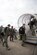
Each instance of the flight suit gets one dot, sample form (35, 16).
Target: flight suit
(22, 35)
(7, 33)
(11, 34)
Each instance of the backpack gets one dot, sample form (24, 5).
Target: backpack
(5, 29)
(20, 30)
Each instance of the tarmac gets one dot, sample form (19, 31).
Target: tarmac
(17, 49)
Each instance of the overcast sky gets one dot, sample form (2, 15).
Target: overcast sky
(10, 10)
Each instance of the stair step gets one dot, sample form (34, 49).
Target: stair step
(31, 36)
(31, 41)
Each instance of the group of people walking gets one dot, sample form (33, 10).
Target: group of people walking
(5, 32)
